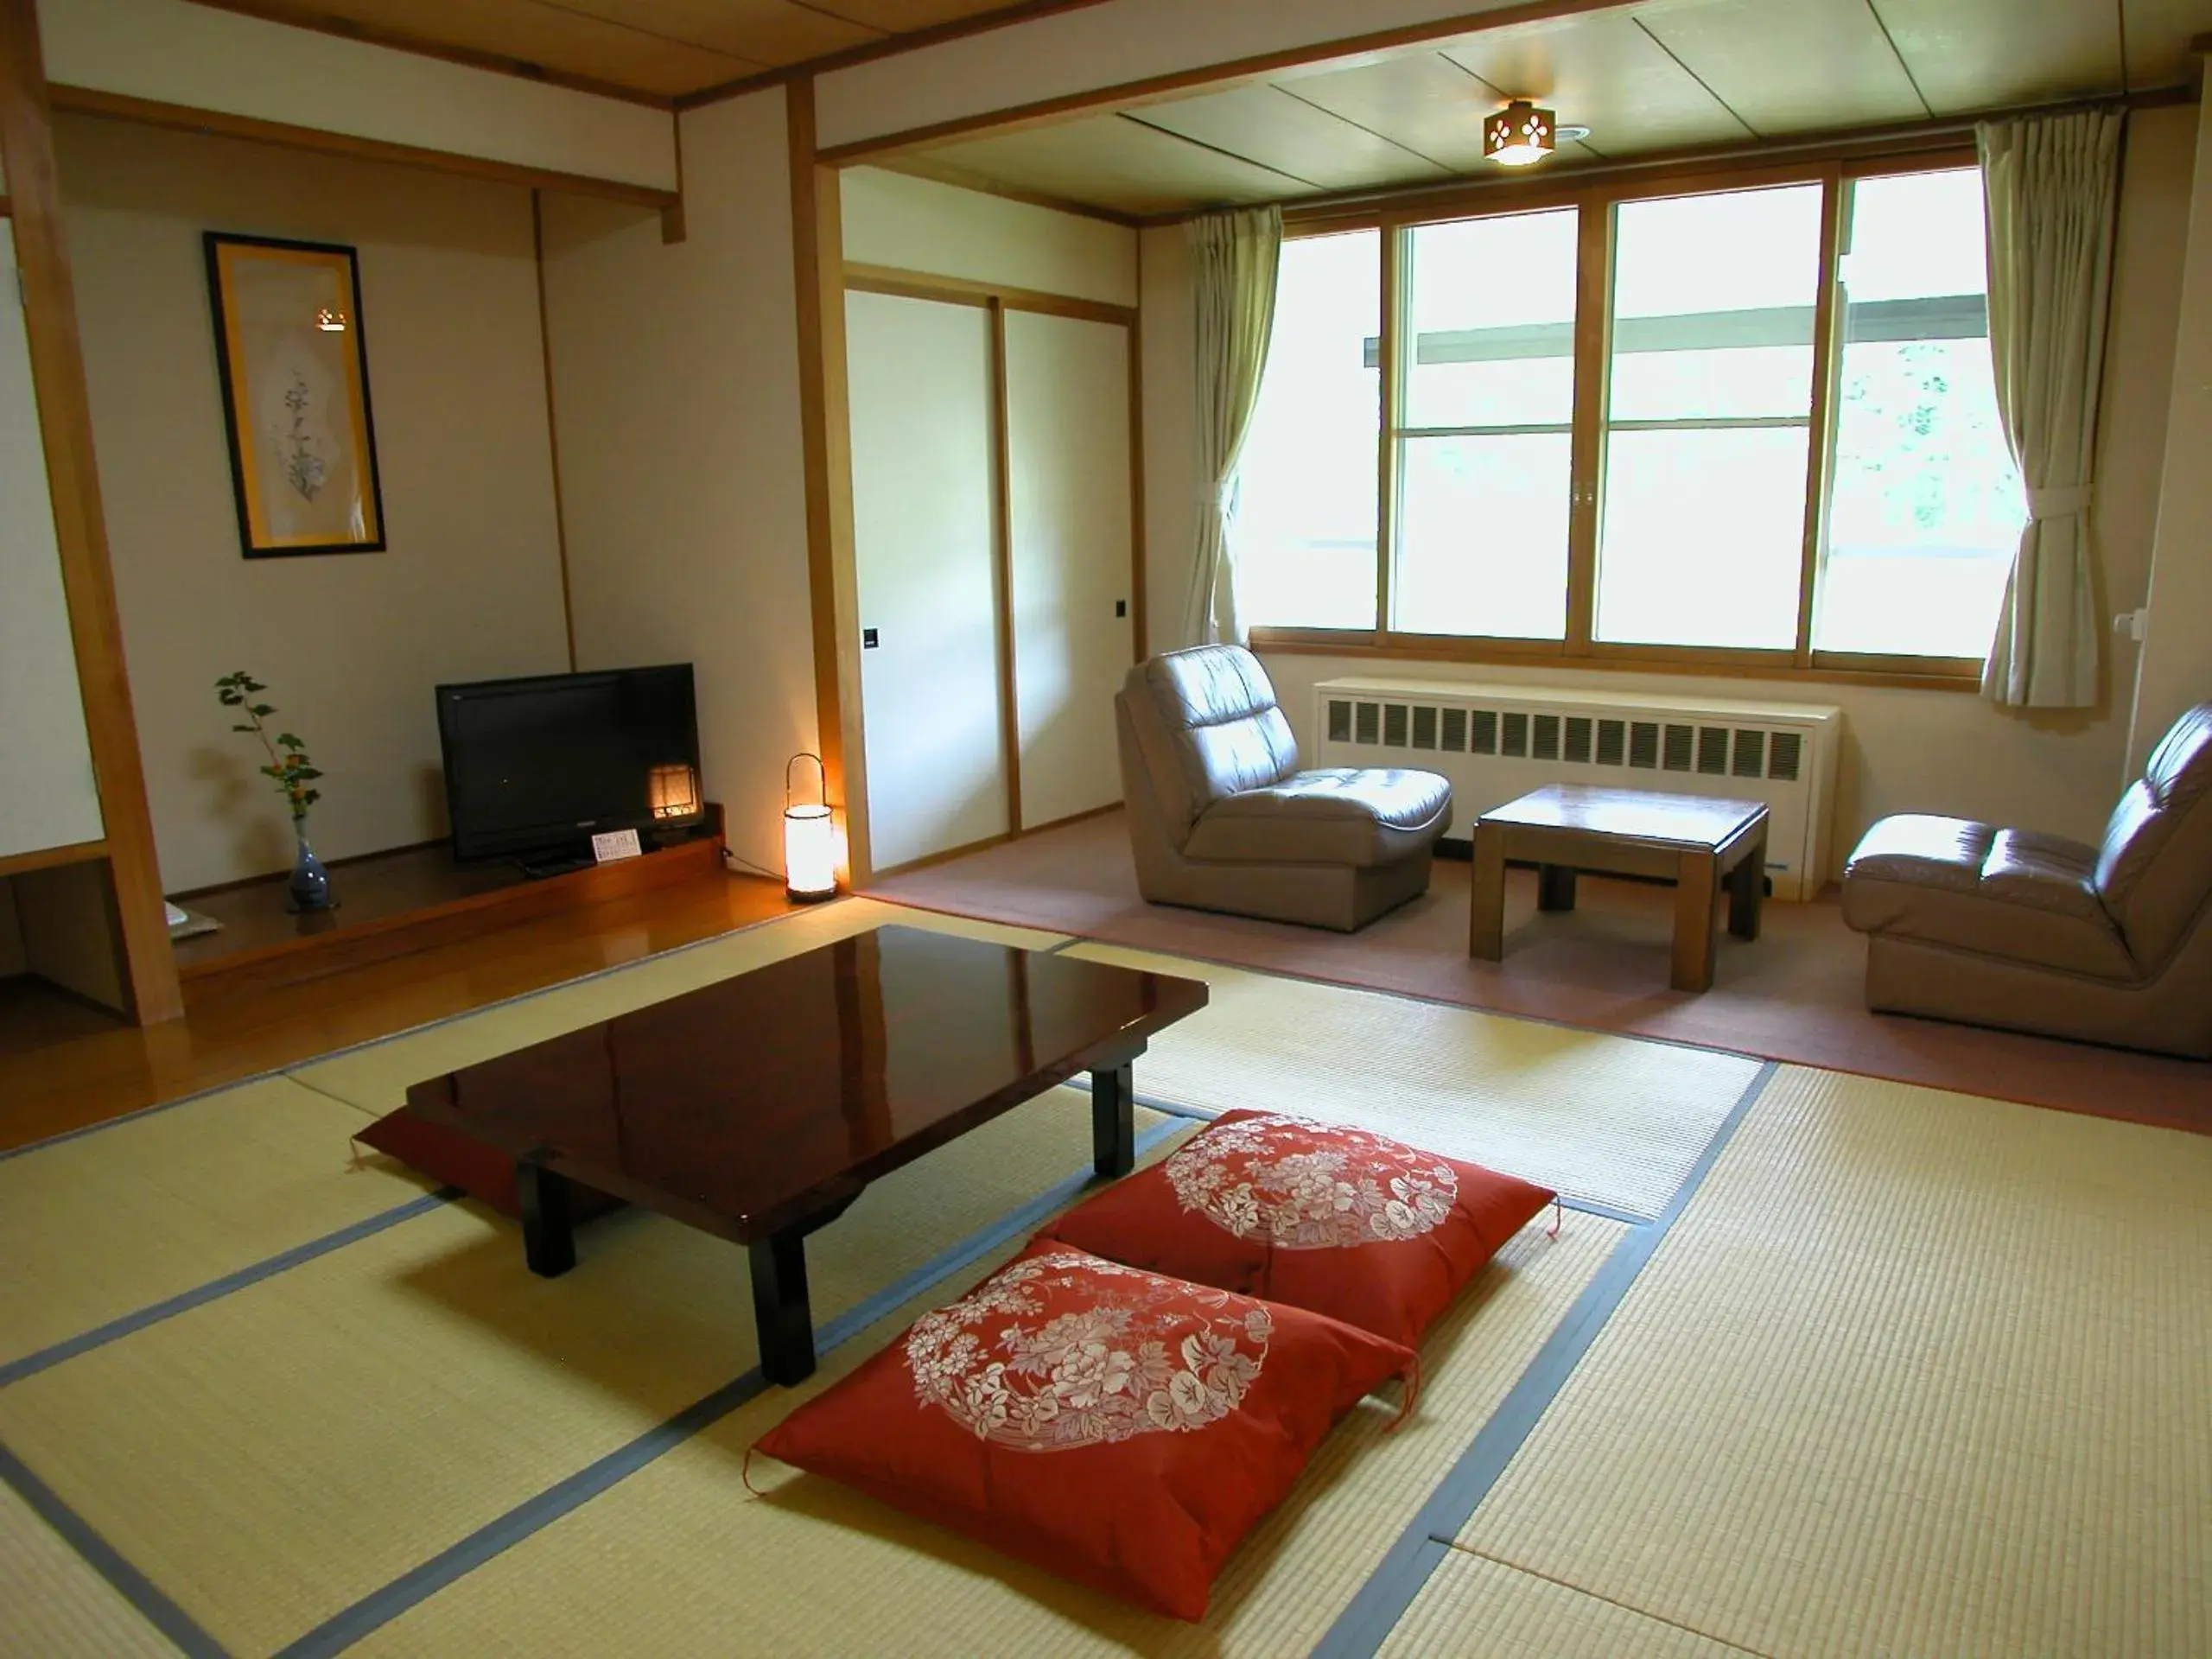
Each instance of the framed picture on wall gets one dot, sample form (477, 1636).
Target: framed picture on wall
(295, 396)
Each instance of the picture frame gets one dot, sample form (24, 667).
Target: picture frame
(293, 361)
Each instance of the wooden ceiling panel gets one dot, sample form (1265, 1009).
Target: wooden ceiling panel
(1278, 128)
(525, 31)
(2158, 33)
(1110, 161)
(1605, 72)
(1424, 102)
(774, 32)
(1973, 54)
(1796, 65)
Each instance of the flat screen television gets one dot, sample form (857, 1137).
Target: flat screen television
(535, 767)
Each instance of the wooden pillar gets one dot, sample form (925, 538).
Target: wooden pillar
(65, 423)
(818, 252)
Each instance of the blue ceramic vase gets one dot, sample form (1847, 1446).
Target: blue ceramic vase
(310, 884)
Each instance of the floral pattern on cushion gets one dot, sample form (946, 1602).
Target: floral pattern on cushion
(1301, 1185)
(1063, 1350)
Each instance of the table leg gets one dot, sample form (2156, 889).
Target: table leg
(1113, 1121)
(1747, 892)
(779, 1306)
(1694, 942)
(549, 1237)
(1554, 886)
(1486, 917)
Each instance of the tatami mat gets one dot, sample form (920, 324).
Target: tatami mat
(100, 1226)
(1471, 1608)
(1613, 1119)
(683, 1550)
(268, 1458)
(1914, 1373)
(54, 1605)
(375, 1079)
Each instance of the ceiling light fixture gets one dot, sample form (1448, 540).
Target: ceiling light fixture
(1521, 135)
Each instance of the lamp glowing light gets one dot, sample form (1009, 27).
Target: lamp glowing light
(1520, 134)
(330, 321)
(809, 840)
(673, 792)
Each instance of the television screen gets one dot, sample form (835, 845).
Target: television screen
(542, 765)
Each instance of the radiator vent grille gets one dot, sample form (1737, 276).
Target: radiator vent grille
(1782, 756)
(1570, 739)
(1751, 754)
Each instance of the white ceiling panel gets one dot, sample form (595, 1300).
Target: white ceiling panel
(1422, 100)
(1975, 54)
(1604, 72)
(2158, 33)
(1110, 161)
(1280, 130)
(1796, 65)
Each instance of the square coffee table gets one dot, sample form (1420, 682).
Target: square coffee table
(758, 1109)
(1694, 841)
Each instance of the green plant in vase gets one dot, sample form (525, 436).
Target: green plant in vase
(294, 774)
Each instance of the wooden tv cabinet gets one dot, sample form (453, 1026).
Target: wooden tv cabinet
(396, 903)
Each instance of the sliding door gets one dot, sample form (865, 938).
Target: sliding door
(926, 485)
(48, 796)
(1071, 532)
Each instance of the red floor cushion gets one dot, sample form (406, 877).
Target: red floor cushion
(453, 1160)
(1337, 1220)
(1117, 1427)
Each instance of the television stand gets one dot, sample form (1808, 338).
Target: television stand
(409, 899)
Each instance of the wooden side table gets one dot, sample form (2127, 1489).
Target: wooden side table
(1697, 843)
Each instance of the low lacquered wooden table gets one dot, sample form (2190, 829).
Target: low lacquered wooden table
(1694, 841)
(759, 1108)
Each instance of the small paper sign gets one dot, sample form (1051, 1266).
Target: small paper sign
(615, 844)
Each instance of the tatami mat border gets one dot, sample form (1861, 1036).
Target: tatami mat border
(215, 1289)
(164, 1615)
(417, 1585)
(1361, 1629)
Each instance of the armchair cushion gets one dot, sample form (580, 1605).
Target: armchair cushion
(2154, 869)
(1339, 816)
(1227, 731)
(2000, 892)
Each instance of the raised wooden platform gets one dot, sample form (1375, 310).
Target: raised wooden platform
(395, 904)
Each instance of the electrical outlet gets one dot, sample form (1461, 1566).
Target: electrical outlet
(868, 639)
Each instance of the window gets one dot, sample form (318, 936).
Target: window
(1487, 431)
(1751, 422)
(1709, 412)
(1306, 496)
(1924, 504)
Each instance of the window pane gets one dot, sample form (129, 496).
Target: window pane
(1703, 534)
(1713, 304)
(1484, 540)
(1306, 517)
(1924, 505)
(1492, 311)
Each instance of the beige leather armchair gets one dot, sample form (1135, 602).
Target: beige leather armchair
(2110, 944)
(1221, 818)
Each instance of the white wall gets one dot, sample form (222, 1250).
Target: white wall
(350, 644)
(675, 381)
(1903, 750)
(1112, 44)
(911, 224)
(175, 53)
(2177, 668)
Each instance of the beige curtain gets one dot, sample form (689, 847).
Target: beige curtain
(1233, 260)
(2051, 185)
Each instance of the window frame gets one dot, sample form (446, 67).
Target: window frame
(1595, 198)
